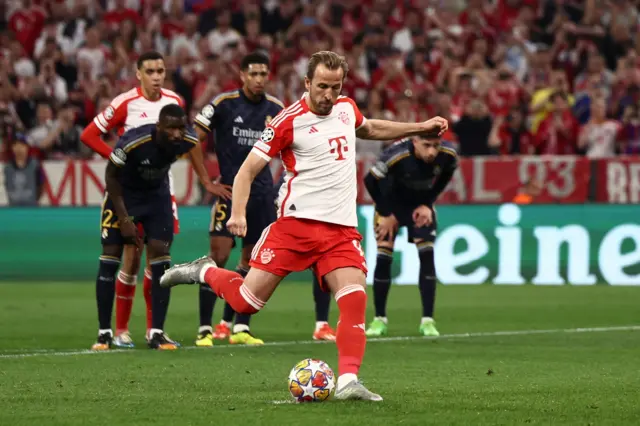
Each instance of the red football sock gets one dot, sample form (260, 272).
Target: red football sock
(350, 337)
(125, 291)
(147, 295)
(230, 286)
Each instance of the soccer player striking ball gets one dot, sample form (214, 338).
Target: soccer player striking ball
(316, 138)
(404, 184)
(137, 107)
(137, 186)
(238, 118)
(321, 299)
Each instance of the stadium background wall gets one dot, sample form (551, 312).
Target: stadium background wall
(478, 180)
(500, 244)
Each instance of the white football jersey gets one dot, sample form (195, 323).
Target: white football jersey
(319, 156)
(601, 138)
(131, 109)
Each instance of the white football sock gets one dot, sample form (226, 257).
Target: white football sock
(345, 379)
(320, 324)
(426, 320)
(383, 319)
(239, 328)
(108, 330)
(223, 322)
(205, 328)
(154, 331)
(203, 272)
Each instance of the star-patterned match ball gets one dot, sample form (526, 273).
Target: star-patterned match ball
(311, 380)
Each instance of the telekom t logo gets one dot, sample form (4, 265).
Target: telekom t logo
(339, 145)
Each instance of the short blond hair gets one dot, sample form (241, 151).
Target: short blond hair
(329, 59)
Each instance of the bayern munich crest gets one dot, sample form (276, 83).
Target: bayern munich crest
(344, 117)
(266, 256)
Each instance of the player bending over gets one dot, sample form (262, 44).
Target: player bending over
(238, 118)
(135, 108)
(317, 223)
(137, 190)
(404, 184)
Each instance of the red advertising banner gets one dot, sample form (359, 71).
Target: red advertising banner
(482, 180)
(617, 180)
(479, 180)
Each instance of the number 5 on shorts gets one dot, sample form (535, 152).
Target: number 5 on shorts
(219, 215)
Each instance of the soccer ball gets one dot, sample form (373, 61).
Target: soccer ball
(311, 380)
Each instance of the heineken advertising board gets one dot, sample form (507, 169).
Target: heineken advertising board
(499, 244)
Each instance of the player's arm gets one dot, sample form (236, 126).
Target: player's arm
(204, 121)
(385, 130)
(117, 161)
(391, 130)
(196, 158)
(252, 165)
(379, 184)
(441, 183)
(379, 180)
(114, 115)
(274, 139)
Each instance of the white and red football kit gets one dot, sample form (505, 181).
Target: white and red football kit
(317, 218)
(600, 138)
(126, 111)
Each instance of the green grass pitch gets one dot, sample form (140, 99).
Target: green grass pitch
(568, 355)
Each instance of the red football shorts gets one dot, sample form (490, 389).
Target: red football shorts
(291, 244)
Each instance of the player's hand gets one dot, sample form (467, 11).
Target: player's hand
(387, 227)
(422, 216)
(129, 233)
(219, 190)
(237, 225)
(435, 127)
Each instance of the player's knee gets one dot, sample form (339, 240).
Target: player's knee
(157, 248)
(386, 244)
(352, 298)
(245, 257)
(112, 250)
(219, 255)
(385, 250)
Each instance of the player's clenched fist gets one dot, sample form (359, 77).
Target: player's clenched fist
(435, 127)
(237, 225)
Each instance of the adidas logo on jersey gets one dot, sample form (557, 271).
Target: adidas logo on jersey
(238, 120)
(313, 130)
(143, 115)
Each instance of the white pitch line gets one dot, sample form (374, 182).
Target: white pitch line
(45, 352)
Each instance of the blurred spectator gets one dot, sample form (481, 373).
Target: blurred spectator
(473, 129)
(629, 135)
(512, 76)
(223, 34)
(598, 137)
(509, 135)
(558, 133)
(23, 175)
(54, 86)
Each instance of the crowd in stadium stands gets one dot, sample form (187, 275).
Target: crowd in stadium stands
(512, 76)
